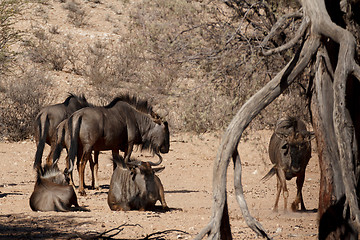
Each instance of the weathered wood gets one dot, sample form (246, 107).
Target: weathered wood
(343, 127)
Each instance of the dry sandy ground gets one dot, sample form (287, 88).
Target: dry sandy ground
(187, 180)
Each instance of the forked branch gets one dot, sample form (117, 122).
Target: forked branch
(299, 33)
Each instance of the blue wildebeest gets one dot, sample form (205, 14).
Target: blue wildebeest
(61, 139)
(47, 120)
(137, 188)
(120, 125)
(52, 191)
(290, 152)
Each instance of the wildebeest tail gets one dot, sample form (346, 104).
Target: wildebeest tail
(43, 124)
(59, 145)
(269, 174)
(74, 129)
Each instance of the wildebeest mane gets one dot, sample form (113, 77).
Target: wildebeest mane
(138, 104)
(80, 98)
(288, 123)
(48, 172)
(147, 145)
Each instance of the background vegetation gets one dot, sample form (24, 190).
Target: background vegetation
(196, 61)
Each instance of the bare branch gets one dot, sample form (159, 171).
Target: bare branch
(300, 32)
(250, 221)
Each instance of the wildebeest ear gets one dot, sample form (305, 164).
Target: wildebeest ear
(159, 169)
(157, 121)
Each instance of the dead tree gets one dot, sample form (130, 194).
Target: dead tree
(329, 49)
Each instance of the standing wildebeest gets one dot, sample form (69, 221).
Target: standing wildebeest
(290, 152)
(47, 120)
(52, 191)
(118, 126)
(61, 139)
(135, 189)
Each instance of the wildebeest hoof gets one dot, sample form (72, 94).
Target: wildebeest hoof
(82, 193)
(94, 188)
(294, 207)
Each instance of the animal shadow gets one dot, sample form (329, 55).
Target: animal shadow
(314, 210)
(2, 195)
(160, 209)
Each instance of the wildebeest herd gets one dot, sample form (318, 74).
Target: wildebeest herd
(82, 128)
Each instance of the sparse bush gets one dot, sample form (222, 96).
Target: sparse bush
(98, 63)
(22, 100)
(113, 63)
(9, 11)
(76, 15)
(200, 106)
(46, 50)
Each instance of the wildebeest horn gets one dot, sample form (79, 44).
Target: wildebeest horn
(282, 136)
(158, 162)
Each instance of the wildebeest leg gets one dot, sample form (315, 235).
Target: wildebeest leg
(128, 152)
(49, 158)
(85, 157)
(161, 192)
(284, 188)
(116, 155)
(278, 188)
(94, 165)
(71, 180)
(281, 185)
(299, 199)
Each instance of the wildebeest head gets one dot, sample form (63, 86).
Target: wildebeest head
(74, 102)
(144, 168)
(160, 136)
(157, 138)
(53, 174)
(294, 146)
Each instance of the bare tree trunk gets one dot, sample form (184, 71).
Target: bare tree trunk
(333, 123)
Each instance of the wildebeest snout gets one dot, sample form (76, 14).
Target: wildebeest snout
(295, 169)
(292, 172)
(164, 149)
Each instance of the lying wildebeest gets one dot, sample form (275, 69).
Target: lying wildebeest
(290, 152)
(118, 126)
(47, 120)
(52, 191)
(135, 189)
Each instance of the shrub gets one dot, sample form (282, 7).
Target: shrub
(76, 15)
(9, 12)
(47, 50)
(22, 100)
